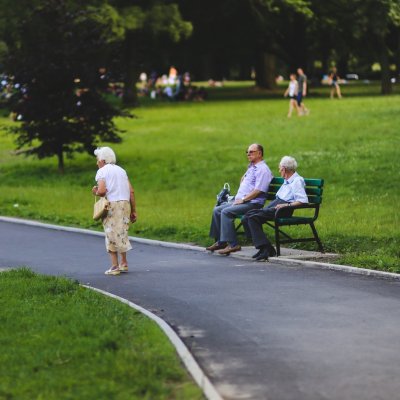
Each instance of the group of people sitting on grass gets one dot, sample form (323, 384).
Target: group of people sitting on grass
(249, 204)
(173, 88)
(181, 92)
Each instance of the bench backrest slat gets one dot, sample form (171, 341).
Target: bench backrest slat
(315, 199)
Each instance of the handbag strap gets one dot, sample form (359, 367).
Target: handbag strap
(95, 198)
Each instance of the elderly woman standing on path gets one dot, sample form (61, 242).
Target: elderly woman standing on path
(112, 182)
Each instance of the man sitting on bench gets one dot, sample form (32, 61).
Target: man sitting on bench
(291, 193)
(251, 195)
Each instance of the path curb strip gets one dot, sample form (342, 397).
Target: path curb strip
(190, 363)
(286, 261)
(338, 267)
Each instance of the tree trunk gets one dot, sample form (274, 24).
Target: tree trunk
(266, 70)
(131, 71)
(60, 156)
(245, 72)
(342, 65)
(397, 54)
(208, 67)
(386, 85)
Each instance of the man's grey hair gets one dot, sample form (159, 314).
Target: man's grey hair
(105, 154)
(289, 163)
(260, 149)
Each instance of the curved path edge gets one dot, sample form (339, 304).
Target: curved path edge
(190, 363)
(286, 261)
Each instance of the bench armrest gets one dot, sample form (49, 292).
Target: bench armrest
(301, 206)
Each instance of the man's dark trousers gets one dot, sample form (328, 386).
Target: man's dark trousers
(254, 220)
(222, 222)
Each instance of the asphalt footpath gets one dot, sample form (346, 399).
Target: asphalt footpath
(276, 330)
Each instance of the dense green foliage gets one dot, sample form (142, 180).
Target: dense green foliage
(56, 55)
(61, 341)
(60, 101)
(150, 29)
(277, 36)
(179, 155)
(229, 38)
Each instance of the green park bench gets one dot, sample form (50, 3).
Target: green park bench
(314, 189)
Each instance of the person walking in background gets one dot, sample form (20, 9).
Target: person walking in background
(172, 75)
(334, 81)
(251, 195)
(302, 92)
(113, 183)
(290, 194)
(292, 91)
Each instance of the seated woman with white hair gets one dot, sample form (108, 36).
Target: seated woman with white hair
(291, 193)
(112, 182)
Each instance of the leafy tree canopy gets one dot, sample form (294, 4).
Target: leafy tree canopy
(55, 60)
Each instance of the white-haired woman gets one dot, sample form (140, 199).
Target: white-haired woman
(112, 182)
(290, 194)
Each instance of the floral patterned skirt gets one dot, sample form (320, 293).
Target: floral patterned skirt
(116, 225)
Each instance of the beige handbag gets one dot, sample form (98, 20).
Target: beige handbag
(100, 208)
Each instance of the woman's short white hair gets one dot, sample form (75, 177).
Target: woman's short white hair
(289, 163)
(105, 154)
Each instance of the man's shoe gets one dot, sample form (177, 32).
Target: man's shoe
(257, 254)
(216, 246)
(263, 255)
(228, 250)
(272, 251)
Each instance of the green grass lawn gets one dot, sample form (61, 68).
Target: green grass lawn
(61, 341)
(179, 155)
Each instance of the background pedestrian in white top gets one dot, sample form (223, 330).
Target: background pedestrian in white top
(291, 91)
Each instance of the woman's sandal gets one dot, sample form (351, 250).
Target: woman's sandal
(113, 271)
(123, 267)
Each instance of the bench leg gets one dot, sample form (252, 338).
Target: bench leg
(320, 247)
(277, 242)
